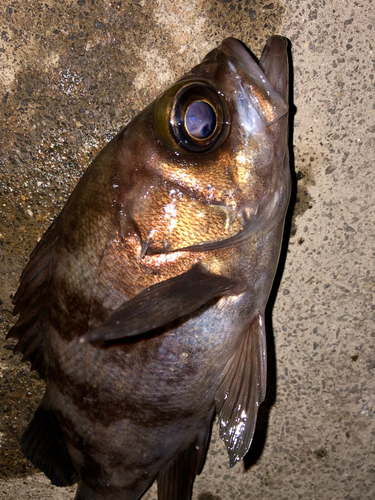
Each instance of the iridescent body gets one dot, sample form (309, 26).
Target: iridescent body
(143, 304)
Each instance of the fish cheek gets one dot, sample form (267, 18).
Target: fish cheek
(170, 220)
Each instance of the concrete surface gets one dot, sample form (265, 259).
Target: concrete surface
(73, 73)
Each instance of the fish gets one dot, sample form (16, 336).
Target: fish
(142, 306)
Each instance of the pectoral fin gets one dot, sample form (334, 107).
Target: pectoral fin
(163, 303)
(242, 390)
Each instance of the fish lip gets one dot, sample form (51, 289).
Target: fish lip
(263, 96)
(234, 48)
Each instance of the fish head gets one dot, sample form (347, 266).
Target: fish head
(215, 152)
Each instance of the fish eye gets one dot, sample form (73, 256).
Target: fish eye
(191, 117)
(200, 120)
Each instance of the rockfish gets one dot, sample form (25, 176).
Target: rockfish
(143, 304)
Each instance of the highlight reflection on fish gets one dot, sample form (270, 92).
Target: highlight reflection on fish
(143, 304)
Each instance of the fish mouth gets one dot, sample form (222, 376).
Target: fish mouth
(267, 81)
(273, 63)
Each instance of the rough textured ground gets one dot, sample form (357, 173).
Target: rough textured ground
(72, 74)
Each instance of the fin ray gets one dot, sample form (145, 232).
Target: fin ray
(242, 390)
(175, 481)
(43, 444)
(31, 301)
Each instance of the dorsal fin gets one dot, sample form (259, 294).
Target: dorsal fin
(31, 301)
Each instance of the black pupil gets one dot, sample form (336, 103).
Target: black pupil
(200, 120)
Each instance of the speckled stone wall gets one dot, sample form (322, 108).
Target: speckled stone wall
(72, 74)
